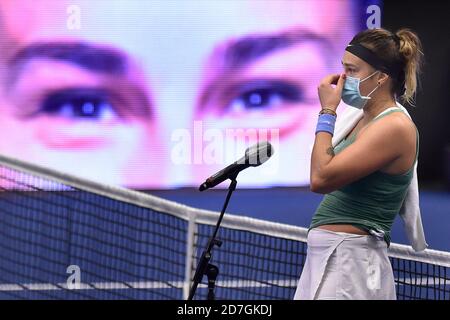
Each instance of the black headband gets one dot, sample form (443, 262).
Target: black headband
(392, 69)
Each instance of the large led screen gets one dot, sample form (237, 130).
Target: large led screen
(161, 94)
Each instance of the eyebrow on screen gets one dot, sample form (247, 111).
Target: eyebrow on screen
(239, 53)
(246, 50)
(84, 55)
(87, 56)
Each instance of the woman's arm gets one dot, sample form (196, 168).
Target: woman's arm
(381, 143)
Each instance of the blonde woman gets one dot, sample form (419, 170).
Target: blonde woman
(365, 177)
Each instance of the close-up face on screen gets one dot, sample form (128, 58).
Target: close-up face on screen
(162, 94)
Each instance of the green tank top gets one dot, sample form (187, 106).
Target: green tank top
(370, 203)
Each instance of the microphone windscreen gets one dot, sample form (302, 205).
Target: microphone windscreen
(258, 153)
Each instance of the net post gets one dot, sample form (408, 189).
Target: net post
(190, 247)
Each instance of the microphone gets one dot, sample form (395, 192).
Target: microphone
(254, 156)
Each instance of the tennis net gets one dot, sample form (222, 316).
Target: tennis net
(62, 237)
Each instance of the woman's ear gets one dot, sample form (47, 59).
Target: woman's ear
(382, 78)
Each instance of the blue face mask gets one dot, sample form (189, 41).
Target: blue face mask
(351, 94)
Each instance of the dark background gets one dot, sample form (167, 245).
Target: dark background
(430, 19)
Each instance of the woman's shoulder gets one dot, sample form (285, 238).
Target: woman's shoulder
(393, 122)
(403, 122)
(396, 119)
(396, 130)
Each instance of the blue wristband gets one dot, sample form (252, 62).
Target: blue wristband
(326, 123)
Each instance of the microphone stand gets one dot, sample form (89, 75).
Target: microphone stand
(203, 266)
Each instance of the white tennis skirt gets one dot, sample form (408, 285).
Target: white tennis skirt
(342, 266)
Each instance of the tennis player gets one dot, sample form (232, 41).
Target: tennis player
(365, 177)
